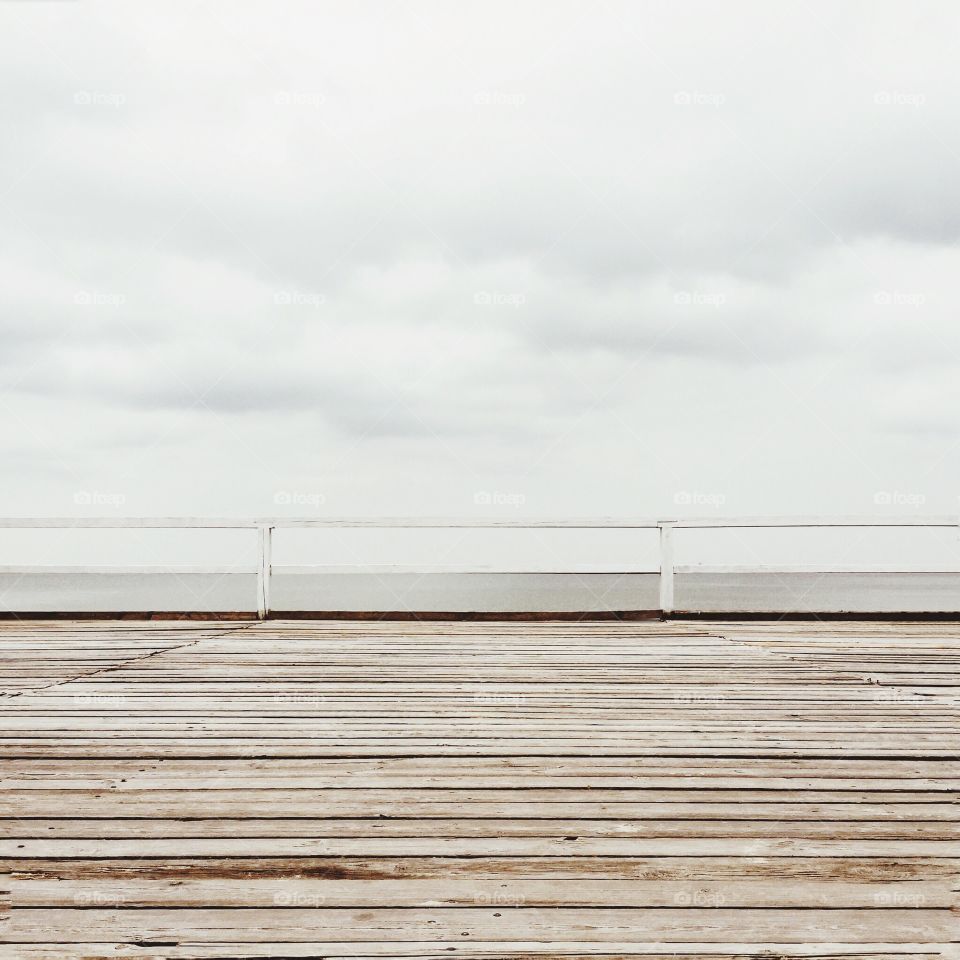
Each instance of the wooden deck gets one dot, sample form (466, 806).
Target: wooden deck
(325, 789)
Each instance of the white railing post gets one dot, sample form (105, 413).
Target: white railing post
(666, 565)
(264, 565)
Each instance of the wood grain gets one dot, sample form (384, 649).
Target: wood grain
(371, 789)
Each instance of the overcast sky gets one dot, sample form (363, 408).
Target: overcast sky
(479, 258)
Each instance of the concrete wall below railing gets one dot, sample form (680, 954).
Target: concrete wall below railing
(708, 592)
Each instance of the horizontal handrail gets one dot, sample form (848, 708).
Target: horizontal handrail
(598, 523)
(307, 569)
(666, 528)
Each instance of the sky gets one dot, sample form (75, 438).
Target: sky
(479, 259)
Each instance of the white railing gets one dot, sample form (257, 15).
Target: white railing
(265, 528)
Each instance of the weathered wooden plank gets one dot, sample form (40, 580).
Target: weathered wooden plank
(155, 748)
(453, 826)
(510, 892)
(536, 804)
(478, 846)
(768, 870)
(487, 950)
(669, 925)
(636, 789)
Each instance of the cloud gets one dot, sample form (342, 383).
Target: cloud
(482, 235)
